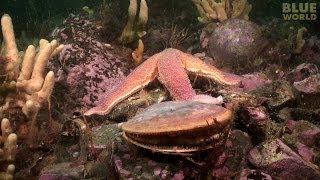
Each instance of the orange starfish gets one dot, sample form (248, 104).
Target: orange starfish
(169, 67)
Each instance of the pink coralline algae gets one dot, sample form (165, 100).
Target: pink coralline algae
(253, 81)
(302, 71)
(87, 67)
(305, 152)
(308, 85)
(236, 42)
(279, 160)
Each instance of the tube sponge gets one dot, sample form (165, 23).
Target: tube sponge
(211, 10)
(134, 28)
(11, 50)
(9, 140)
(34, 86)
(138, 53)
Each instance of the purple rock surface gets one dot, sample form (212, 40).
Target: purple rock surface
(305, 152)
(302, 71)
(256, 121)
(308, 85)
(87, 67)
(236, 42)
(246, 174)
(279, 160)
(64, 171)
(309, 92)
(310, 137)
(251, 82)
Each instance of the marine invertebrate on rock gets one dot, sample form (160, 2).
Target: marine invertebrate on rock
(36, 89)
(29, 88)
(211, 10)
(236, 43)
(8, 150)
(138, 53)
(302, 72)
(9, 141)
(11, 49)
(33, 90)
(168, 67)
(299, 40)
(240, 9)
(134, 28)
(276, 158)
(179, 127)
(87, 67)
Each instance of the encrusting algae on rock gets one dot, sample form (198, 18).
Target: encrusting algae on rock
(87, 68)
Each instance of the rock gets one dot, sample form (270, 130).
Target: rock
(105, 135)
(305, 152)
(298, 114)
(251, 82)
(303, 132)
(89, 148)
(301, 72)
(133, 163)
(290, 169)
(309, 92)
(233, 159)
(311, 50)
(130, 162)
(308, 85)
(205, 35)
(290, 125)
(246, 174)
(256, 121)
(311, 137)
(235, 42)
(310, 115)
(276, 95)
(64, 171)
(86, 69)
(104, 139)
(277, 159)
(72, 142)
(285, 114)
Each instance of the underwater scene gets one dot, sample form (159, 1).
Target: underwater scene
(160, 89)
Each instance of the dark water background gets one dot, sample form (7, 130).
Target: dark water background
(37, 18)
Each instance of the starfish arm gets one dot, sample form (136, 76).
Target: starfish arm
(135, 81)
(173, 75)
(195, 65)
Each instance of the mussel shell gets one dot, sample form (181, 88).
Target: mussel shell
(179, 126)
